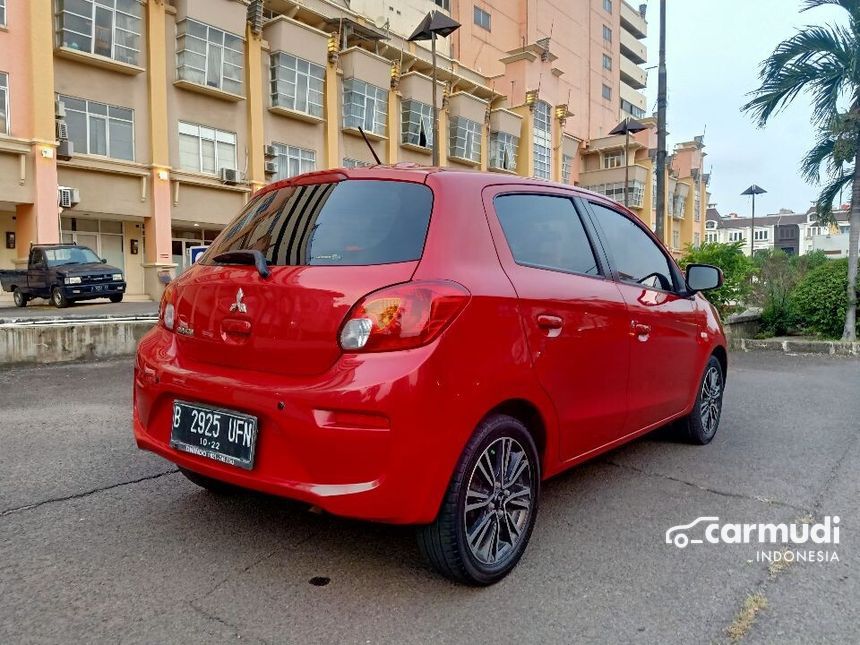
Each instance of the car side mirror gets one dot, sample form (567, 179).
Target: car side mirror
(703, 277)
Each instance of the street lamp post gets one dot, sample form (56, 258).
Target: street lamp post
(753, 190)
(434, 24)
(627, 126)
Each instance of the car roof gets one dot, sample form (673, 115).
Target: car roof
(408, 171)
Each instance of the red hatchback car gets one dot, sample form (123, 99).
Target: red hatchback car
(424, 346)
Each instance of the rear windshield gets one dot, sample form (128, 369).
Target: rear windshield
(352, 222)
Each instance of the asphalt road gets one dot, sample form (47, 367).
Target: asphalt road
(102, 543)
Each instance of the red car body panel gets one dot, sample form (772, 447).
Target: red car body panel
(377, 435)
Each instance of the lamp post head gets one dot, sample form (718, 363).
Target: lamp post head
(628, 126)
(435, 22)
(754, 190)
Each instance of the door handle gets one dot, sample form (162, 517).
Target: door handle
(641, 330)
(551, 324)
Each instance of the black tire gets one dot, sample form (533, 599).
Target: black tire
(19, 298)
(116, 298)
(445, 544)
(212, 485)
(58, 299)
(701, 425)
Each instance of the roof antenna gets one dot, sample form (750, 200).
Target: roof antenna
(367, 141)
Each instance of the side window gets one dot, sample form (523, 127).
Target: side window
(638, 259)
(38, 258)
(545, 232)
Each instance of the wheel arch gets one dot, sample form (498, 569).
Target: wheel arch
(722, 356)
(530, 416)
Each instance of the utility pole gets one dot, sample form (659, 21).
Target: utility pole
(661, 129)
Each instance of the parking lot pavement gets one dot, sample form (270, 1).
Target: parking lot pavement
(102, 543)
(90, 309)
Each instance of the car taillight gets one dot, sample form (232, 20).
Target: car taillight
(402, 316)
(166, 311)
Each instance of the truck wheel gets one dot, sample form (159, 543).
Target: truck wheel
(58, 299)
(116, 298)
(19, 298)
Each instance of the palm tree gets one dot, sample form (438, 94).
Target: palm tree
(824, 62)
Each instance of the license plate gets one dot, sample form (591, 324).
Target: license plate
(222, 435)
(99, 287)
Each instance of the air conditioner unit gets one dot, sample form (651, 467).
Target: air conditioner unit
(255, 16)
(230, 176)
(62, 129)
(271, 167)
(65, 149)
(270, 152)
(68, 197)
(59, 109)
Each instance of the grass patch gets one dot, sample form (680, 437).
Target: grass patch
(745, 618)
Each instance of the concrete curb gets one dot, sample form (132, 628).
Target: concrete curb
(799, 346)
(56, 341)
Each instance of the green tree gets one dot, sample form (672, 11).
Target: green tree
(819, 301)
(824, 62)
(736, 267)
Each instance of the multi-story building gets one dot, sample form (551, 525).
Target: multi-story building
(794, 233)
(140, 127)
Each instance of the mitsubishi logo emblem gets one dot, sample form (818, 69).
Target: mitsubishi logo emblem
(239, 306)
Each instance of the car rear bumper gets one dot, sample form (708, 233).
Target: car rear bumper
(370, 438)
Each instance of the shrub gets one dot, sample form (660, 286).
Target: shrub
(776, 276)
(820, 300)
(737, 269)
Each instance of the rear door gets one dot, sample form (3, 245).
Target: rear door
(327, 245)
(663, 326)
(574, 316)
(37, 274)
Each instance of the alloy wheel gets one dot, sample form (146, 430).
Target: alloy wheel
(711, 399)
(498, 501)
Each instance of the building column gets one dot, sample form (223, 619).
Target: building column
(39, 222)
(393, 143)
(158, 266)
(332, 104)
(444, 136)
(254, 104)
(556, 149)
(525, 154)
(485, 142)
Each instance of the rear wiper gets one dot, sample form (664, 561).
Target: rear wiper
(245, 256)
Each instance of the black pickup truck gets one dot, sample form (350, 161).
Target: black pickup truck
(64, 273)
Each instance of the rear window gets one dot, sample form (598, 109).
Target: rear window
(349, 223)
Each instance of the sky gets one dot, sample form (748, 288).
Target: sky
(713, 52)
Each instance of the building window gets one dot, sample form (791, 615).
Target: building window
(444, 4)
(208, 56)
(710, 236)
(4, 103)
(566, 166)
(633, 110)
(100, 129)
(355, 163)
(3, 12)
(614, 159)
(697, 207)
(616, 191)
(482, 18)
(607, 6)
(607, 34)
(294, 161)
(108, 28)
(417, 123)
(736, 236)
(465, 139)
(543, 140)
(607, 61)
(676, 239)
(679, 205)
(365, 106)
(697, 238)
(607, 92)
(503, 151)
(206, 150)
(297, 84)
(761, 235)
